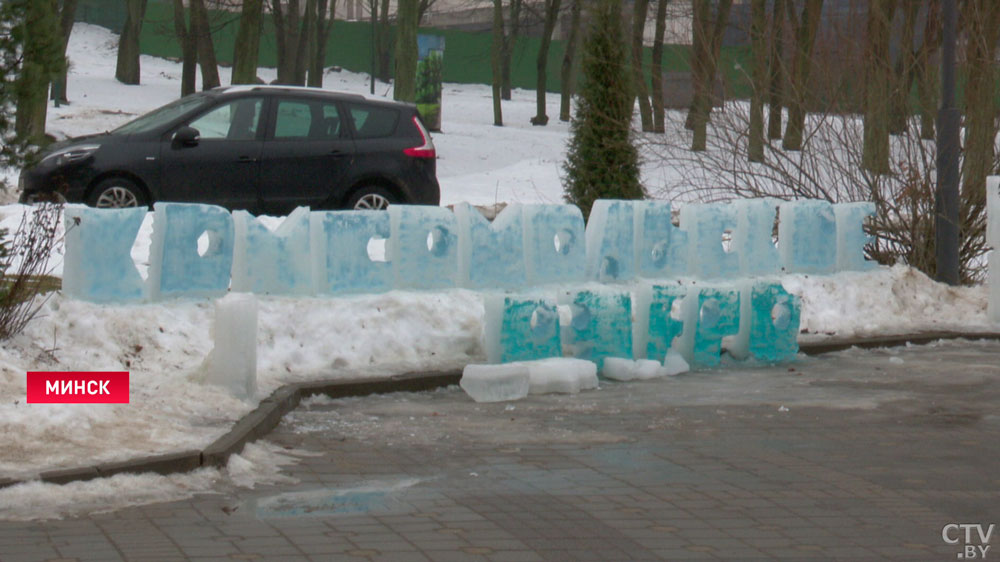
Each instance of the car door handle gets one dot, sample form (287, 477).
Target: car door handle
(339, 153)
(246, 160)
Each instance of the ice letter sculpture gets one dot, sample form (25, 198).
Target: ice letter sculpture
(718, 316)
(276, 263)
(705, 225)
(807, 234)
(98, 265)
(341, 263)
(753, 238)
(992, 240)
(555, 247)
(851, 237)
(769, 323)
(655, 327)
(424, 247)
(601, 325)
(490, 255)
(232, 363)
(610, 241)
(176, 268)
(661, 246)
(521, 329)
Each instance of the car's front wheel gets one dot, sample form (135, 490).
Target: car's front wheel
(371, 198)
(117, 193)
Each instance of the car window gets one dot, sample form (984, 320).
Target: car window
(163, 115)
(236, 120)
(373, 121)
(297, 119)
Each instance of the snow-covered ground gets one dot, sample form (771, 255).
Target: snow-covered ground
(163, 345)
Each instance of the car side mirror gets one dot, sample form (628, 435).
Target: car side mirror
(186, 136)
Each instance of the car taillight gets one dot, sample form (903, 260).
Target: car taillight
(425, 150)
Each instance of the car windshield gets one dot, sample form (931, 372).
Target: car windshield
(163, 115)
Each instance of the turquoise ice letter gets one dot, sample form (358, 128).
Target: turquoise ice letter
(661, 246)
(490, 255)
(98, 265)
(601, 325)
(656, 328)
(424, 247)
(718, 316)
(341, 262)
(705, 225)
(807, 235)
(555, 248)
(851, 237)
(176, 268)
(276, 263)
(611, 241)
(521, 329)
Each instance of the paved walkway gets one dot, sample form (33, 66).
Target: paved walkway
(861, 455)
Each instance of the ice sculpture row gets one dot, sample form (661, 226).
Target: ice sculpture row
(758, 320)
(327, 252)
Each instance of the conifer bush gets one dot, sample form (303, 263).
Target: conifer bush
(602, 161)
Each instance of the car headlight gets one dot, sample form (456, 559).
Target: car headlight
(70, 154)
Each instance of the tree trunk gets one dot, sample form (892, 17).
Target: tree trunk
(640, 9)
(699, 59)
(805, 37)
(189, 50)
(41, 61)
(927, 77)
(247, 48)
(878, 71)
(307, 40)
(982, 22)
(777, 64)
(569, 62)
(404, 88)
(206, 49)
(383, 43)
(127, 68)
(286, 31)
(542, 63)
(324, 23)
(657, 70)
(495, 61)
(707, 57)
(904, 71)
(509, 42)
(67, 16)
(758, 23)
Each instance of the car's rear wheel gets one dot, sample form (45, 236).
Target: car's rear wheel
(371, 198)
(117, 193)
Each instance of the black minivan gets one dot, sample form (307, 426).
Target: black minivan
(267, 149)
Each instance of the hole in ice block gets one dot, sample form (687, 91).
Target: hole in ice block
(581, 317)
(204, 242)
(676, 312)
(781, 315)
(727, 241)
(543, 323)
(140, 248)
(609, 268)
(376, 249)
(437, 241)
(709, 314)
(563, 241)
(659, 253)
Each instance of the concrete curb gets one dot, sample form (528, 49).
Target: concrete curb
(268, 414)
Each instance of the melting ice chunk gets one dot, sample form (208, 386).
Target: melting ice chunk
(496, 383)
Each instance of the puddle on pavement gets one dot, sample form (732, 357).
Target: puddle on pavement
(379, 497)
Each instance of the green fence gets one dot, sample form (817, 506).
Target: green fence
(466, 60)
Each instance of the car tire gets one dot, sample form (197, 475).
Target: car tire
(117, 193)
(371, 198)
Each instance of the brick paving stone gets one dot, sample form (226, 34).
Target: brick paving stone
(869, 463)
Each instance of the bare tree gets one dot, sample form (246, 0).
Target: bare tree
(758, 41)
(776, 63)
(404, 86)
(206, 48)
(247, 47)
(657, 70)
(189, 49)
(542, 62)
(877, 91)
(569, 61)
(127, 67)
(639, 10)
(495, 61)
(67, 15)
(324, 24)
(707, 44)
(509, 42)
(805, 28)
